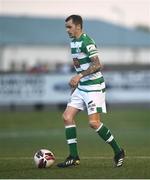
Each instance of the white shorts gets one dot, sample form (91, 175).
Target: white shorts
(92, 101)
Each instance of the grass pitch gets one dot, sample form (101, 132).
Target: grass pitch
(23, 133)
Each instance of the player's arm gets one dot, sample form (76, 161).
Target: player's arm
(94, 67)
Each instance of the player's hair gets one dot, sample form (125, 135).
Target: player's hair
(76, 19)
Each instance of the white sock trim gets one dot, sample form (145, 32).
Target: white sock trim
(70, 126)
(99, 127)
(110, 139)
(71, 141)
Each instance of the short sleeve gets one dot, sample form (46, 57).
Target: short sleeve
(90, 48)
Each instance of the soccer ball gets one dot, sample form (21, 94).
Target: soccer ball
(44, 158)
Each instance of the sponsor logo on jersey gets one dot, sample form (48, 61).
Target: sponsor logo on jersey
(77, 44)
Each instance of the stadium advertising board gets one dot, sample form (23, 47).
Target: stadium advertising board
(30, 89)
(128, 86)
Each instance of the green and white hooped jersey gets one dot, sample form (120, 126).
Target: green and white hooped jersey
(82, 50)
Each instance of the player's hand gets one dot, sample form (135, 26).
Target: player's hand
(75, 80)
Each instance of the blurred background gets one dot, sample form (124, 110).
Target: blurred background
(35, 59)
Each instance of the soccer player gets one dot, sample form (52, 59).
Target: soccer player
(88, 91)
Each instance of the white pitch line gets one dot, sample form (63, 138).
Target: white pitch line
(84, 157)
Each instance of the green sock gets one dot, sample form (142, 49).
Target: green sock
(71, 137)
(106, 135)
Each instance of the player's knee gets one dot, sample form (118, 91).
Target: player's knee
(94, 124)
(67, 118)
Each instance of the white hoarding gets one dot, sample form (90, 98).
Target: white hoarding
(128, 86)
(30, 89)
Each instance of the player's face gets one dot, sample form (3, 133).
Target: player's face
(71, 29)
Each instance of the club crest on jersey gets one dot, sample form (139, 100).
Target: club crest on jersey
(76, 62)
(91, 47)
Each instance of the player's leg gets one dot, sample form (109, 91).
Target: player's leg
(106, 135)
(70, 129)
(73, 107)
(95, 106)
(103, 131)
(71, 137)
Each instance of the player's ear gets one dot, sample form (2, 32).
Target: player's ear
(78, 27)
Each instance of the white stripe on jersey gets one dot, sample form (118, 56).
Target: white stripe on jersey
(95, 54)
(84, 66)
(92, 76)
(79, 55)
(92, 87)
